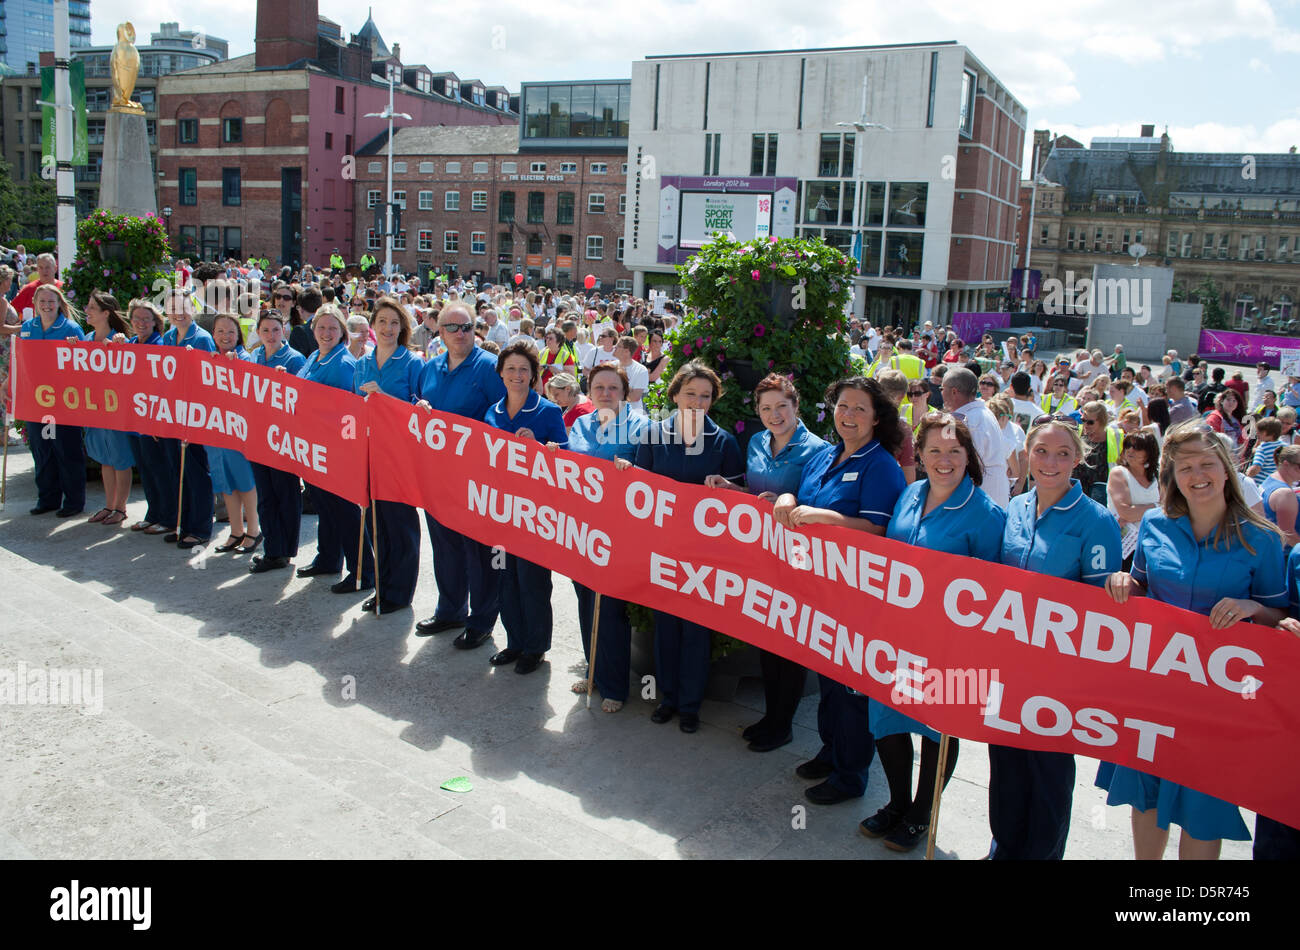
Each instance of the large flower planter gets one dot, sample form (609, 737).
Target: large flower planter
(779, 305)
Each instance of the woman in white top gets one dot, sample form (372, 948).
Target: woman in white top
(1133, 487)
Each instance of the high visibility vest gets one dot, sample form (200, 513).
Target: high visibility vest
(910, 366)
(336, 262)
(1067, 404)
(1114, 441)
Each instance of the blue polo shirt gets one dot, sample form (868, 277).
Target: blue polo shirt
(714, 452)
(155, 339)
(196, 337)
(969, 523)
(619, 439)
(540, 415)
(469, 390)
(285, 356)
(865, 485)
(337, 369)
(399, 377)
(1076, 539)
(61, 329)
(1177, 569)
(783, 473)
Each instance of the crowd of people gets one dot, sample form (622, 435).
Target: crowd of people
(1163, 484)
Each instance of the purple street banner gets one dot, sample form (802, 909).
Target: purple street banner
(1237, 347)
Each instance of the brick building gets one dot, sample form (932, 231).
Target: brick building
(256, 153)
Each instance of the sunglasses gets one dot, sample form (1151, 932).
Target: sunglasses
(283, 296)
(916, 392)
(1061, 417)
(456, 327)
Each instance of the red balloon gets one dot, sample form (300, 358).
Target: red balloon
(589, 282)
(519, 278)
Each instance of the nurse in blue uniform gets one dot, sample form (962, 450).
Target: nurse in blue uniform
(1275, 841)
(945, 511)
(338, 525)
(390, 369)
(196, 489)
(279, 493)
(611, 431)
(525, 586)
(60, 461)
(1202, 550)
(147, 450)
(774, 467)
(463, 381)
(232, 474)
(853, 484)
(688, 447)
(111, 448)
(1057, 530)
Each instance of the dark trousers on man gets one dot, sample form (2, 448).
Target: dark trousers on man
(469, 588)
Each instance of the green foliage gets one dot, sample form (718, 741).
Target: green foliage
(1209, 296)
(137, 276)
(25, 208)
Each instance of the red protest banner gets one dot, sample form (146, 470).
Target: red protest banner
(273, 418)
(977, 650)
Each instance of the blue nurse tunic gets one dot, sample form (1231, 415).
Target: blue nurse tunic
(781, 474)
(60, 462)
(618, 439)
(1178, 569)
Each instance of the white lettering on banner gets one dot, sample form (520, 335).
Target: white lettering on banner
(264, 391)
(562, 473)
(1061, 623)
(307, 454)
(543, 521)
(193, 415)
(117, 360)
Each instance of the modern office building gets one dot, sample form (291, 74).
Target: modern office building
(931, 180)
(27, 30)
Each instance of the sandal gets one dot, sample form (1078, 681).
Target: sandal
(142, 525)
(99, 516)
(234, 541)
(579, 687)
(255, 538)
(610, 705)
(189, 541)
(116, 518)
(156, 529)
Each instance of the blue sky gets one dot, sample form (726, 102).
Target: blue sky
(1222, 75)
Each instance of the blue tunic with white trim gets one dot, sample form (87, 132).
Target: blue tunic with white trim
(1076, 539)
(865, 485)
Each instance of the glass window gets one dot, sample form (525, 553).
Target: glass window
(537, 168)
(478, 200)
(875, 204)
(374, 196)
(846, 205)
(595, 247)
(903, 254)
(189, 186)
(907, 203)
(480, 168)
(567, 168)
(399, 240)
(478, 242)
(618, 249)
(622, 204)
(536, 109)
(1282, 247)
(426, 200)
(453, 168)
(564, 245)
(375, 168)
(232, 130)
(372, 240)
(399, 168)
(187, 131)
(1207, 248)
(582, 109)
(557, 108)
(821, 202)
(424, 240)
(828, 159)
(505, 244)
(1171, 249)
(1186, 248)
(599, 168)
(509, 168)
(1224, 240)
(1260, 246)
(329, 141)
(230, 186)
(536, 207)
(426, 168)
(871, 253)
(451, 241)
(595, 204)
(846, 163)
(534, 244)
(451, 201)
(966, 121)
(506, 207)
(399, 199)
(564, 208)
(609, 122)
(189, 239)
(758, 145)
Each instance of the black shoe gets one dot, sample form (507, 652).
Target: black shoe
(349, 586)
(471, 639)
(171, 537)
(68, 512)
(906, 837)
(528, 662)
(311, 570)
(41, 510)
(431, 625)
(755, 731)
(370, 603)
(881, 823)
(260, 565)
(827, 794)
(663, 712)
(508, 655)
(768, 742)
(689, 722)
(814, 769)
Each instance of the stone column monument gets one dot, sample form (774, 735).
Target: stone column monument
(127, 183)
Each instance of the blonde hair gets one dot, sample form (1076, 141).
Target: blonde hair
(68, 310)
(1192, 436)
(329, 310)
(1069, 428)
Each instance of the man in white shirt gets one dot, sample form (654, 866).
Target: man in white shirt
(254, 272)
(638, 377)
(1088, 370)
(497, 332)
(1263, 381)
(961, 398)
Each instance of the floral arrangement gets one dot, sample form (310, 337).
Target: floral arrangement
(102, 264)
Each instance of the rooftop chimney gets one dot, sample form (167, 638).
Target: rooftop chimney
(286, 32)
(1148, 131)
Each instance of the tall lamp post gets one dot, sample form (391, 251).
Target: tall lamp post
(389, 114)
(167, 223)
(859, 144)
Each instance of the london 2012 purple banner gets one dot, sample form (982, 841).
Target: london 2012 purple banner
(969, 327)
(1246, 347)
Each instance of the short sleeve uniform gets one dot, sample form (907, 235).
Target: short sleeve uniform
(780, 474)
(61, 329)
(399, 377)
(230, 470)
(336, 370)
(195, 337)
(865, 485)
(285, 356)
(1076, 539)
(619, 439)
(540, 415)
(714, 452)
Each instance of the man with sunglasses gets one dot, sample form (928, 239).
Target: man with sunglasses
(463, 381)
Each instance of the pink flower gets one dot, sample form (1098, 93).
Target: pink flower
(731, 279)
(755, 274)
(721, 357)
(740, 425)
(771, 239)
(708, 339)
(699, 341)
(760, 330)
(770, 364)
(98, 241)
(107, 272)
(772, 266)
(687, 349)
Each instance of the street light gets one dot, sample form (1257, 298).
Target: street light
(389, 114)
(860, 127)
(167, 222)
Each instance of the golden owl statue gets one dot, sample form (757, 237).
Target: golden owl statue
(124, 65)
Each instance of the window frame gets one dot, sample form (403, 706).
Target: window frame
(591, 200)
(599, 248)
(451, 242)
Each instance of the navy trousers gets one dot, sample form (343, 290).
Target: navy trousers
(526, 605)
(469, 589)
(196, 491)
(1275, 841)
(60, 466)
(399, 551)
(783, 682)
(151, 463)
(279, 510)
(337, 533)
(1030, 794)
(682, 652)
(613, 642)
(845, 729)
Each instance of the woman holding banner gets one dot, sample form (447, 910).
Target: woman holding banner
(60, 459)
(232, 475)
(1052, 529)
(279, 494)
(1204, 551)
(111, 448)
(195, 482)
(946, 511)
(854, 484)
(611, 431)
(150, 459)
(688, 447)
(392, 370)
(525, 586)
(338, 520)
(774, 467)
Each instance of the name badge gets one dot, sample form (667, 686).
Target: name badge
(850, 477)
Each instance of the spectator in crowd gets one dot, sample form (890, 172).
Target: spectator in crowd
(959, 398)
(1133, 489)
(564, 391)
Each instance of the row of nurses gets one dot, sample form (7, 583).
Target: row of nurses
(57, 452)
(111, 448)
(391, 370)
(160, 499)
(194, 524)
(232, 474)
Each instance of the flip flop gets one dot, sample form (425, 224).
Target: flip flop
(141, 525)
(156, 529)
(99, 516)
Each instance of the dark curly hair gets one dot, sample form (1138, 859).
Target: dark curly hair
(886, 430)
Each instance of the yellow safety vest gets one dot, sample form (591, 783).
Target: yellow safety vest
(910, 366)
(1067, 404)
